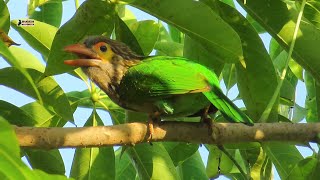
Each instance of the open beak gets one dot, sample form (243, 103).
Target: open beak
(86, 56)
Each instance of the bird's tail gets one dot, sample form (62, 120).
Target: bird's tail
(227, 108)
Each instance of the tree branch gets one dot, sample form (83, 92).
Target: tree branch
(134, 133)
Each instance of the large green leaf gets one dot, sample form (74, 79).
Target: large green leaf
(306, 169)
(169, 48)
(198, 53)
(217, 161)
(192, 18)
(15, 115)
(93, 163)
(93, 17)
(48, 161)
(284, 157)
(11, 165)
(192, 168)
(260, 165)
(26, 59)
(256, 75)
(312, 102)
(124, 34)
(52, 94)
(152, 161)
(4, 17)
(41, 116)
(49, 12)
(146, 33)
(229, 75)
(8, 56)
(180, 152)
(281, 25)
(39, 36)
(124, 166)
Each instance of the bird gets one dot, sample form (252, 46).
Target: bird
(161, 86)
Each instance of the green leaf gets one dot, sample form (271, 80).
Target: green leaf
(152, 161)
(50, 12)
(192, 168)
(284, 157)
(256, 76)
(146, 33)
(93, 17)
(4, 17)
(229, 75)
(180, 152)
(259, 164)
(124, 34)
(33, 4)
(48, 161)
(255, 25)
(306, 169)
(41, 116)
(52, 94)
(26, 59)
(11, 165)
(8, 56)
(299, 113)
(169, 48)
(39, 36)
(198, 53)
(15, 115)
(126, 14)
(281, 25)
(93, 163)
(216, 160)
(175, 34)
(212, 36)
(312, 102)
(288, 88)
(83, 99)
(311, 12)
(124, 167)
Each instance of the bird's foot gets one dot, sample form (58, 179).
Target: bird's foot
(151, 130)
(208, 122)
(153, 118)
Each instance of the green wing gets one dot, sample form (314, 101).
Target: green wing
(161, 76)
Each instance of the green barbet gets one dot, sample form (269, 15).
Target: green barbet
(162, 86)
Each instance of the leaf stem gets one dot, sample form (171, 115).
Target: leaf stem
(234, 161)
(268, 109)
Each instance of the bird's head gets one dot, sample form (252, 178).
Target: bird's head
(98, 50)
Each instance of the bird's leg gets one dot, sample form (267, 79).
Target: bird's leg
(205, 119)
(153, 118)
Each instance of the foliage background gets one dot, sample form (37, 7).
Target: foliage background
(65, 80)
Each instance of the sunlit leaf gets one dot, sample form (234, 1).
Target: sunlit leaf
(284, 157)
(39, 36)
(192, 168)
(4, 17)
(93, 163)
(256, 75)
(50, 12)
(212, 36)
(93, 17)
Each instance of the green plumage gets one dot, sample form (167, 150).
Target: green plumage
(175, 87)
(160, 86)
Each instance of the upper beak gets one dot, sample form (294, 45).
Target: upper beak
(87, 56)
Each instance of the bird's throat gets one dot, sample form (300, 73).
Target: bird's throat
(109, 75)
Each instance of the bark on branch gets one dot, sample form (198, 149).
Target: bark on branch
(134, 133)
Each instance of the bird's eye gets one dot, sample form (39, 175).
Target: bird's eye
(103, 48)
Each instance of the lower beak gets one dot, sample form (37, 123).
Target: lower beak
(83, 62)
